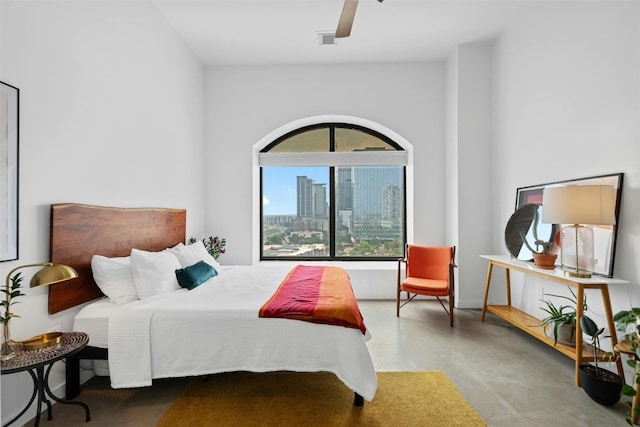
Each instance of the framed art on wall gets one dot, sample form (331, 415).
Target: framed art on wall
(604, 235)
(9, 112)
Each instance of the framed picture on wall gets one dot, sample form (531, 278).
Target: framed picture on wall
(9, 111)
(604, 235)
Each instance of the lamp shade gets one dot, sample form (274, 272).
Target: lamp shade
(579, 204)
(53, 274)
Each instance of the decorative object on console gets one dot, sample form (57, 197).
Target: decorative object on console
(521, 223)
(600, 384)
(581, 206)
(50, 274)
(214, 245)
(542, 256)
(604, 235)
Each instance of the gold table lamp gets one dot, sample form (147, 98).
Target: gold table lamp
(50, 274)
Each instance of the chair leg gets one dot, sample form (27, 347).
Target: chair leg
(451, 312)
(451, 303)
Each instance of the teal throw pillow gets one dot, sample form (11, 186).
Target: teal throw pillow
(193, 276)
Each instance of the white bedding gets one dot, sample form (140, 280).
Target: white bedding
(216, 328)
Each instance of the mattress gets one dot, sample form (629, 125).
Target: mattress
(93, 319)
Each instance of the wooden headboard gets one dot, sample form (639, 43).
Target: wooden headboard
(80, 231)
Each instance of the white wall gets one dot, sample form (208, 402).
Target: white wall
(474, 164)
(246, 103)
(111, 114)
(567, 105)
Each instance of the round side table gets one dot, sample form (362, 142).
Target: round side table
(38, 364)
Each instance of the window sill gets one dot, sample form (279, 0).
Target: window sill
(353, 265)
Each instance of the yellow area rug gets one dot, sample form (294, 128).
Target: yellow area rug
(421, 398)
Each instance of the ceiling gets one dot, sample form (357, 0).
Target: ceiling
(286, 31)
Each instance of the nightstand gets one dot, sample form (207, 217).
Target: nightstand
(38, 364)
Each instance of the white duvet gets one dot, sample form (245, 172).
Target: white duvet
(215, 328)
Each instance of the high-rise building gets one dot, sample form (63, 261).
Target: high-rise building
(320, 207)
(392, 206)
(344, 196)
(368, 185)
(304, 197)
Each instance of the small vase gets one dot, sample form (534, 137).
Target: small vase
(545, 261)
(6, 352)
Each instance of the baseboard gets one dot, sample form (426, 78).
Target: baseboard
(469, 304)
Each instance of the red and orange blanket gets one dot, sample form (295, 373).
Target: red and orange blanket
(319, 294)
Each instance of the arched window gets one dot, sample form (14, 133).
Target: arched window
(332, 191)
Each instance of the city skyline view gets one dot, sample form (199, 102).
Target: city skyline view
(279, 193)
(297, 218)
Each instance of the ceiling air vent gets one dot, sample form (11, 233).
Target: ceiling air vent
(326, 38)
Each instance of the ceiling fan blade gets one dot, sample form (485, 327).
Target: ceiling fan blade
(346, 18)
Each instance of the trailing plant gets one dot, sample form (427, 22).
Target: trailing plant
(214, 245)
(623, 319)
(541, 246)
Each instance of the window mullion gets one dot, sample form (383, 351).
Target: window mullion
(332, 196)
(332, 213)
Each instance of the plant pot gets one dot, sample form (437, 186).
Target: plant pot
(545, 261)
(601, 385)
(566, 334)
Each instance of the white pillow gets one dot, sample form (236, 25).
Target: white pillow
(191, 254)
(154, 272)
(114, 278)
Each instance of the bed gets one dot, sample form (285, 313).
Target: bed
(215, 326)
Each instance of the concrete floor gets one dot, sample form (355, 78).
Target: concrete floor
(510, 378)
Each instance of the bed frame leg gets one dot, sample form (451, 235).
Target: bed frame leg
(72, 378)
(358, 400)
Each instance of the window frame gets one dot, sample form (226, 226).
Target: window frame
(332, 126)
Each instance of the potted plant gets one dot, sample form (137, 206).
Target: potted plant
(542, 256)
(627, 322)
(560, 322)
(600, 384)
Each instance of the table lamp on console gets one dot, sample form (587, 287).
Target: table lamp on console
(50, 274)
(580, 206)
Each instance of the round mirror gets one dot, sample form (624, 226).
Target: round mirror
(522, 221)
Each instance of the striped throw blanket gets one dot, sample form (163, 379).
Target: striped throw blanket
(320, 294)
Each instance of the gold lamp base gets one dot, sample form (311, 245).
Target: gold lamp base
(578, 275)
(41, 341)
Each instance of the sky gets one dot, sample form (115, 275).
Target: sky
(279, 187)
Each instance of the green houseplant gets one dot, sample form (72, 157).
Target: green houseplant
(600, 384)
(541, 249)
(560, 322)
(627, 322)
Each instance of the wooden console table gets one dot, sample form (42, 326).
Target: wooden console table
(581, 352)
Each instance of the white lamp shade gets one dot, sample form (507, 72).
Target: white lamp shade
(579, 204)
